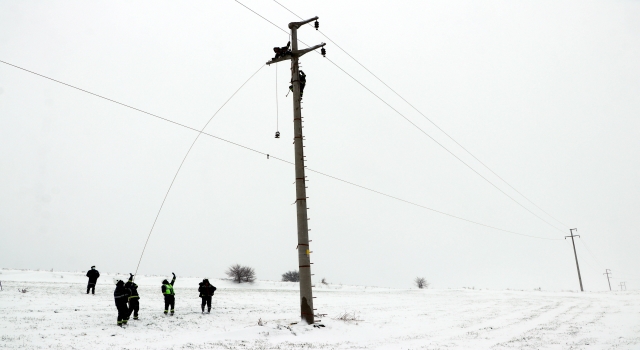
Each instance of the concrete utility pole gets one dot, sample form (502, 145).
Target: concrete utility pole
(608, 272)
(576, 255)
(304, 260)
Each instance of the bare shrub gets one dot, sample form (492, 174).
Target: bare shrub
(421, 282)
(348, 317)
(241, 273)
(324, 281)
(291, 276)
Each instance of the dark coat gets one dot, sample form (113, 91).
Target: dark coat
(121, 294)
(93, 276)
(206, 290)
(133, 289)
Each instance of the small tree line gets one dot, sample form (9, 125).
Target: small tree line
(245, 274)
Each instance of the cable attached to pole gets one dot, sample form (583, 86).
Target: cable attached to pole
(427, 118)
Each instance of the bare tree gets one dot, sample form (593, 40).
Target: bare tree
(421, 282)
(291, 276)
(241, 273)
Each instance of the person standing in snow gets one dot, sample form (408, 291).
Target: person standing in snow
(134, 298)
(93, 275)
(121, 295)
(169, 294)
(206, 292)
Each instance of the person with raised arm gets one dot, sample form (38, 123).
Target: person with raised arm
(169, 295)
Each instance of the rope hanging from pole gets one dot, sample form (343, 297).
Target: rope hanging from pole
(277, 111)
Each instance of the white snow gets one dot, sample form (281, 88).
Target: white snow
(55, 312)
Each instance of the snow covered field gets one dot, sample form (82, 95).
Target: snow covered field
(56, 313)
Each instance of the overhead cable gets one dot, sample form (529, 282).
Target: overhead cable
(424, 132)
(427, 118)
(182, 163)
(201, 132)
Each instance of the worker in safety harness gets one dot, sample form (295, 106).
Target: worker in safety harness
(169, 294)
(303, 81)
(282, 51)
(134, 298)
(121, 295)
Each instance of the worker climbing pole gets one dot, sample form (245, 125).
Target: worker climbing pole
(304, 260)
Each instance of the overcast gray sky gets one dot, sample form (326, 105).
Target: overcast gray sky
(546, 93)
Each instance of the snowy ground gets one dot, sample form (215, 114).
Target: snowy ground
(56, 313)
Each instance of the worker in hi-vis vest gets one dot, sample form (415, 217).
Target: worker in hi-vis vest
(169, 294)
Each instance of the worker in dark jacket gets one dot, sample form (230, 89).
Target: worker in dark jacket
(206, 292)
(303, 82)
(134, 298)
(282, 51)
(169, 294)
(93, 275)
(121, 295)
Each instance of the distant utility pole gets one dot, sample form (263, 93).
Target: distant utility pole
(621, 284)
(304, 260)
(575, 254)
(608, 272)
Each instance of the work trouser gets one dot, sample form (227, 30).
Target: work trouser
(92, 286)
(134, 306)
(123, 312)
(206, 300)
(169, 301)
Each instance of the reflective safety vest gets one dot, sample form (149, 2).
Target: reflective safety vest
(168, 289)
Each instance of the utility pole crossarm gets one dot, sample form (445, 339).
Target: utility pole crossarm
(297, 53)
(284, 58)
(297, 25)
(302, 52)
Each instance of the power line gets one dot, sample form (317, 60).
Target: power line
(182, 163)
(424, 132)
(591, 253)
(443, 147)
(201, 132)
(427, 118)
(275, 25)
(430, 209)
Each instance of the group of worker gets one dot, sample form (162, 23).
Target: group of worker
(127, 298)
(286, 51)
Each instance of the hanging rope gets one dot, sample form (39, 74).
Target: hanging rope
(277, 111)
(182, 163)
